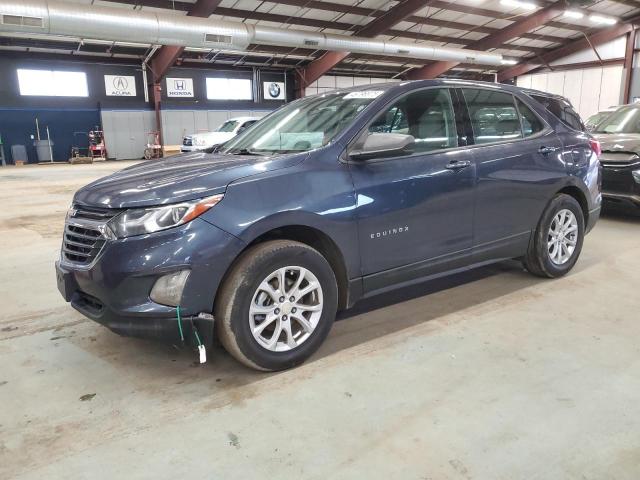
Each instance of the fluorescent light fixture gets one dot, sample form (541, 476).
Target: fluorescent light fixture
(519, 4)
(603, 20)
(573, 14)
(508, 61)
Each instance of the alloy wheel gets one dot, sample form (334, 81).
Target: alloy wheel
(562, 237)
(285, 308)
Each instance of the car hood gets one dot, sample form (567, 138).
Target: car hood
(619, 142)
(176, 179)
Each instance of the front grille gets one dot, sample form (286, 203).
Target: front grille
(83, 238)
(187, 142)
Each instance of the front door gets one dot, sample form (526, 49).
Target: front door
(415, 211)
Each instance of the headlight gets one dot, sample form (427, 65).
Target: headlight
(636, 175)
(139, 221)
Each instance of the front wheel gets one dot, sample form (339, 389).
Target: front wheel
(276, 305)
(557, 241)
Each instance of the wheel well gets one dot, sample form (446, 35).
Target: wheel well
(319, 241)
(576, 193)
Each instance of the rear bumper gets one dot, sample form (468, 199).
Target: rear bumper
(594, 216)
(115, 290)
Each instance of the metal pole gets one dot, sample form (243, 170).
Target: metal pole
(144, 73)
(37, 129)
(50, 149)
(4, 162)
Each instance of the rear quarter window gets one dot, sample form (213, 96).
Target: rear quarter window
(562, 110)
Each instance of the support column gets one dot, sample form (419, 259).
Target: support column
(157, 96)
(628, 65)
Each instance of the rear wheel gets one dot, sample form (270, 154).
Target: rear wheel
(557, 241)
(277, 305)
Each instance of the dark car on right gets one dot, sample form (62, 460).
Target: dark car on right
(619, 136)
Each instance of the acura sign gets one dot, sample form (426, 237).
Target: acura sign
(179, 87)
(120, 86)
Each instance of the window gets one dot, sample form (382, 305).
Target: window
(493, 115)
(228, 126)
(530, 122)
(563, 110)
(229, 89)
(427, 115)
(48, 83)
(624, 120)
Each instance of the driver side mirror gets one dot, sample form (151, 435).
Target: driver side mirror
(380, 145)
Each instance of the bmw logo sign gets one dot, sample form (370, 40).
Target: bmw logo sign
(274, 90)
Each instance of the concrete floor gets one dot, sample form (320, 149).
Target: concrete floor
(494, 375)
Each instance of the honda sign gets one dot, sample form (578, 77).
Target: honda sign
(179, 87)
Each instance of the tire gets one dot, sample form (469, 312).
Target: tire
(242, 294)
(540, 259)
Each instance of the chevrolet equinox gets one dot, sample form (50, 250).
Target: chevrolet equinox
(329, 199)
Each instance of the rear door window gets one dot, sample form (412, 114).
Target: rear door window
(427, 115)
(531, 124)
(493, 115)
(562, 110)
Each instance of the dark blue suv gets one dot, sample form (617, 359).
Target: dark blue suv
(329, 199)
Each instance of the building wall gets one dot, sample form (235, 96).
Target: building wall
(589, 89)
(326, 83)
(127, 120)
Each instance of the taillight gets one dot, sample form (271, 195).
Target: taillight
(595, 146)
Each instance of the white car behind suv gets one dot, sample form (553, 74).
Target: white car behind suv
(226, 131)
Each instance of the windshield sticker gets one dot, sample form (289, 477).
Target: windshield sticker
(364, 94)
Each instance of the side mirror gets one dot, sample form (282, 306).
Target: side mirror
(379, 145)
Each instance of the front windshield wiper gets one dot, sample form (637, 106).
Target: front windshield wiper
(245, 151)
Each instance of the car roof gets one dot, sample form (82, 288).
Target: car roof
(409, 84)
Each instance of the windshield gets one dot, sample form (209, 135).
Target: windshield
(596, 118)
(227, 126)
(303, 125)
(623, 120)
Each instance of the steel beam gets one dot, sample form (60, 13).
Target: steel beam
(167, 55)
(328, 60)
(599, 37)
(516, 29)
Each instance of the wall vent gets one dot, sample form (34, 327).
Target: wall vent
(215, 38)
(22, 21)
(311, 43)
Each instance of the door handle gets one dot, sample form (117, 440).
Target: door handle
(546, 150)
(457, 164)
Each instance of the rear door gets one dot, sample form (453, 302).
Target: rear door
(516, 154)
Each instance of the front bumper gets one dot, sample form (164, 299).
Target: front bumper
(114, 290)
(190, 148)
(619, 185)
